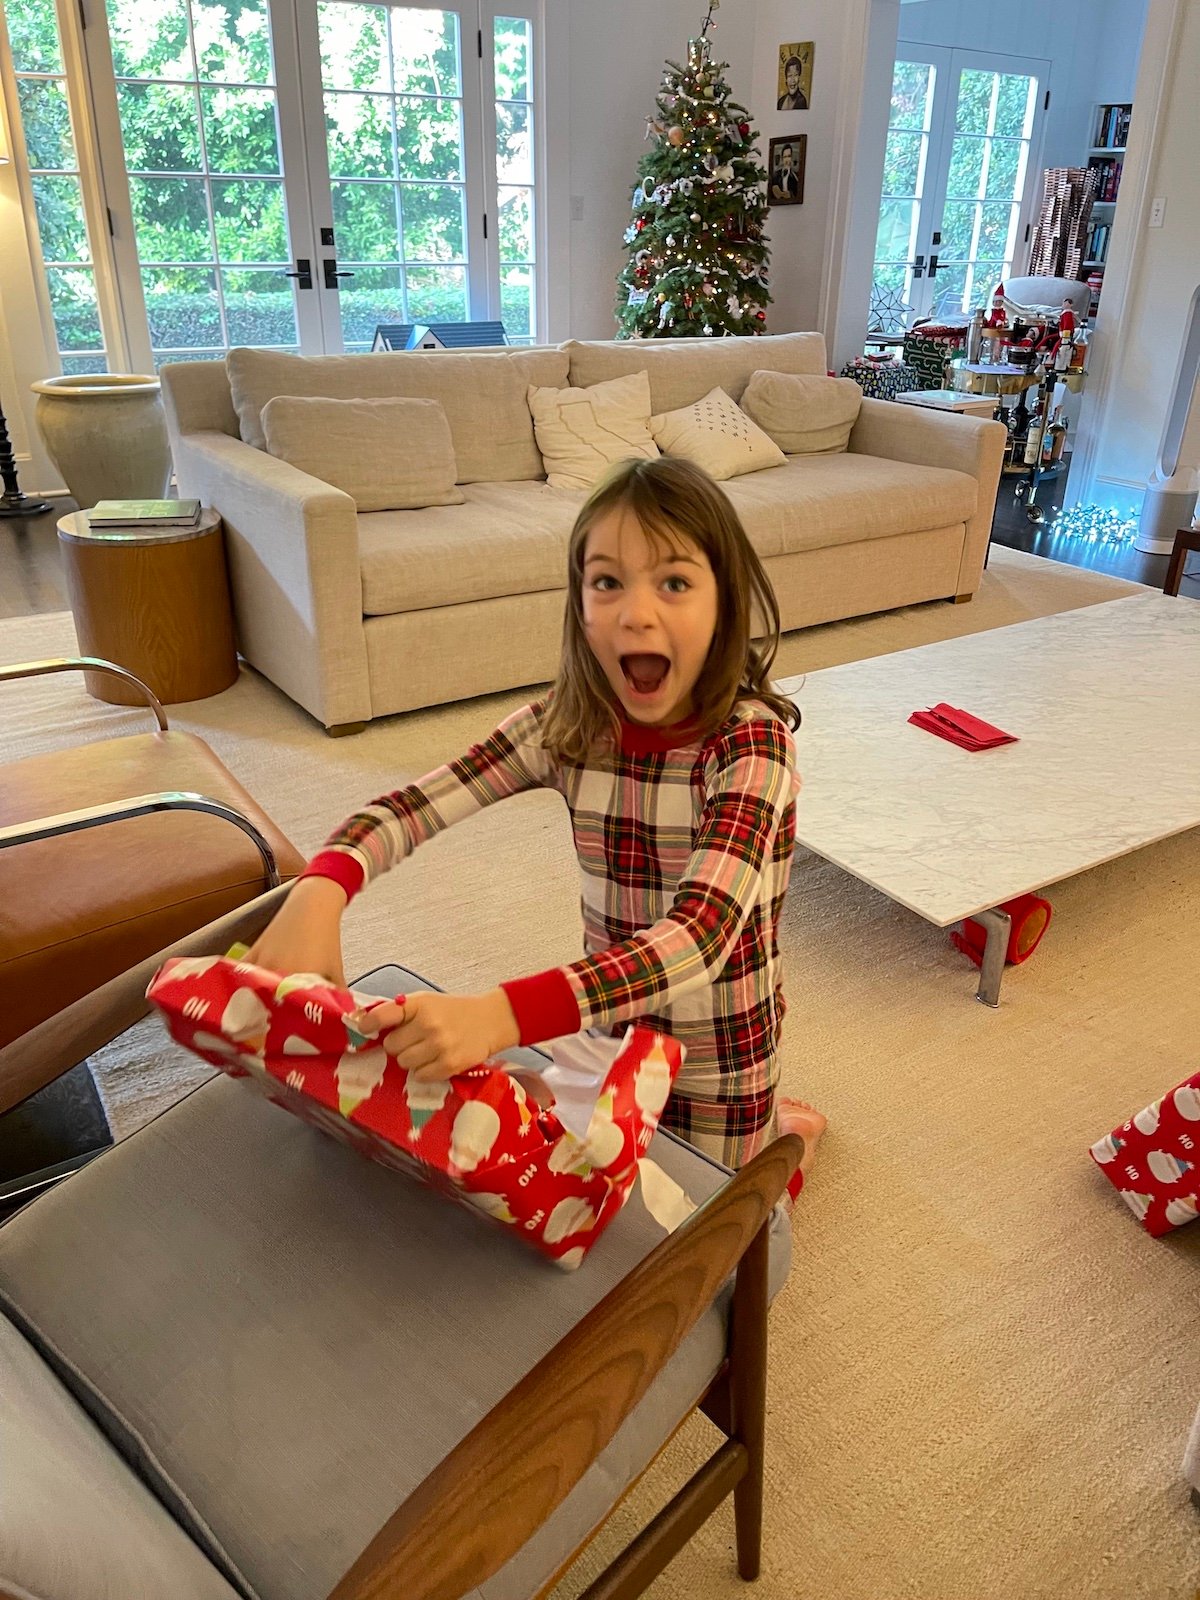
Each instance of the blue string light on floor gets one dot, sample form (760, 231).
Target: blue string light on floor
(1095, 525)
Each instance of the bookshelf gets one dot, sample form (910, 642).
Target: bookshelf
(1106, 156)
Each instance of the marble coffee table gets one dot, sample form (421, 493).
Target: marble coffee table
(1105, 702)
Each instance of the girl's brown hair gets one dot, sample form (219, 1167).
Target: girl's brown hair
(672, 500)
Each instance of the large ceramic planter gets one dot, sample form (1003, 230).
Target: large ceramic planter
(106, 434)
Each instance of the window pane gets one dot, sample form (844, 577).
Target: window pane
(181, 307)
(437, 294)
(33, 35)
(167, 357)
(996, 225)
(358, 128)
(949, 286)
(170, 217)
(425, 52)
(61, 226)
(516, 224)
(894, 238)
(160, 127)
(149, 41)
(1006, 169)
(429, 138)
(239, 130)
(364, 220)
(513, 45)
(354, 47)
(514, 150)
(433, 222)
(47, 122)
(966, 168)
(516, 302)
(75, 366)
(912, 94)
(233, 40)
(974, 101)
(902, 163)
(73, 299)
(1014, 106)
(374, 295)
(248, 219)
(958, 227)
(259, 308)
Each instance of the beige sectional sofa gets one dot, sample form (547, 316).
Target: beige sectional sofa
(357, 615)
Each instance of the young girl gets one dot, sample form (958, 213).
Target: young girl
(675, 757)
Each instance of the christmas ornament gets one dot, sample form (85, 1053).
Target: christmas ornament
(675, 136)
(695, 216)
(708, 288)
(744, 129)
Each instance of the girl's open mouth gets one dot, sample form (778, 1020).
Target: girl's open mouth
(645, 674)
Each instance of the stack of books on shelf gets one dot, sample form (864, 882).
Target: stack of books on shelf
(1108, 176)
(1113, 132)
(1097, 244)
(133, 515)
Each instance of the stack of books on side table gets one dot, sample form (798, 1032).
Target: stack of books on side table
(133, 514)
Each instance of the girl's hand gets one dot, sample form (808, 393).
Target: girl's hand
(437, 1035)
(305, 934)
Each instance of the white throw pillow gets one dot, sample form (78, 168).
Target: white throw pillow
(390, 455)
(717, 435)
(583, 432)
(804, 414)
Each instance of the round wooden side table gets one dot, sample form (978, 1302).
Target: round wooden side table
(154, 600)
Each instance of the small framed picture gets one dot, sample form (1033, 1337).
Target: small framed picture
(785, 170)
(795, 77)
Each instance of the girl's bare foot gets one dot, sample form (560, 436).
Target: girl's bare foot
(797, 1116)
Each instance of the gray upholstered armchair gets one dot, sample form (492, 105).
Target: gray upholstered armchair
(238, 1360)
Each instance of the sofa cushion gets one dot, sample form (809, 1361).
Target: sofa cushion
(287, 1337)
(75, 1521)
(818, 500)
(508, 538)
(717, 435)
(683, 370)
(387, 455)
(802, 412)
(581, 433)
(482, 394)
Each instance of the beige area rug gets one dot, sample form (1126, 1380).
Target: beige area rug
(982, 1372)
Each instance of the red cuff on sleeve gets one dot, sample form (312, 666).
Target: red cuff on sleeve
(343, 869)
(545, 1006)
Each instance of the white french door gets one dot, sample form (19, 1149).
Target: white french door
(416, 132)
(296, 173)
(963, 153)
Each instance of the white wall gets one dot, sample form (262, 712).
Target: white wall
(617, 52)
(1152, 278)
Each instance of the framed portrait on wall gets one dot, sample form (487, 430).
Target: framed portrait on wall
(785, 169)
(795, 77)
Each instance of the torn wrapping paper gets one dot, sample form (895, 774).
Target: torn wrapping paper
(557, 1175)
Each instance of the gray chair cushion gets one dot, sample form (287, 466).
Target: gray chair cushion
(286, 1338)
(75, 1523)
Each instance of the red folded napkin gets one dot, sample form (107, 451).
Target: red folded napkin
(961, 728)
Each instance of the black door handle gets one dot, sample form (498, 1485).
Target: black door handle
(918, 266)
(332, 274)
(302, 274)
(933, 266)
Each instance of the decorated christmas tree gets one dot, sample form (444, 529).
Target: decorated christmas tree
(697, 258)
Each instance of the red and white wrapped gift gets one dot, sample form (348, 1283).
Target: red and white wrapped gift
(477, 1136)
(1153, 1160)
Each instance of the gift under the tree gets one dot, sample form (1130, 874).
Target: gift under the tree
(477, 1136)
(1153, 1160)
(882, 380)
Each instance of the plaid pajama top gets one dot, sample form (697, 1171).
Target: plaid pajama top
(685, 845)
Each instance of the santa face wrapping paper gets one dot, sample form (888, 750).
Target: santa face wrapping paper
(476, 1136)
(1153, 1160)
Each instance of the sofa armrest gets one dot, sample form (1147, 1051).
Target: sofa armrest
(927, 438)
(292, 546)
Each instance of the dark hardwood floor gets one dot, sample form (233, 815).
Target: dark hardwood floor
(31, 577)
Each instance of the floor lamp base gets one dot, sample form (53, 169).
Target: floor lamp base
(22, 505)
